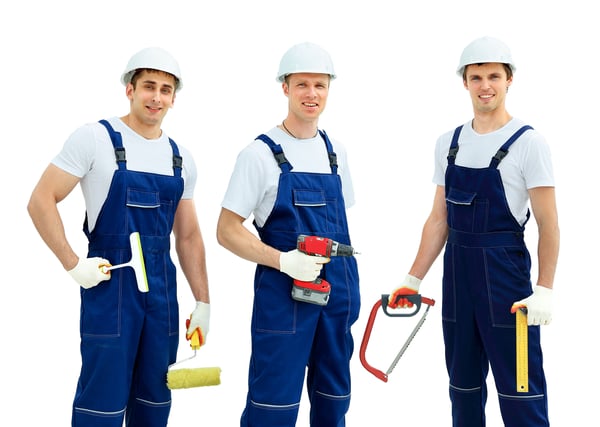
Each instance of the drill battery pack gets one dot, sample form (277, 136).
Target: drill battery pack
(316, 292)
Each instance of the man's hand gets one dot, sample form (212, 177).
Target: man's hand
(539, 306)
(410, 286)
(88, 272)
(200, 319)
(300, 266)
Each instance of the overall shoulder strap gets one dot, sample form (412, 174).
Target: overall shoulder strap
(177, 159)
(332, 156)
(454, 146)
(280, 158)
(117, 143)
(503, 151)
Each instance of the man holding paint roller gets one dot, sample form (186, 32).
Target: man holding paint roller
(134, 179)
(294, 180)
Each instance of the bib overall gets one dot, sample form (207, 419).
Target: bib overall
(129, 338)
(289, 336)
(486, 269)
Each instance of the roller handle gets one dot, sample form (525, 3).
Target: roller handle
(195, 337)
(108, 267)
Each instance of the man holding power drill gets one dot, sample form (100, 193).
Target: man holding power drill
(295, 181)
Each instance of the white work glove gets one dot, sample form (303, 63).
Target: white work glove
(539, 306)
(88, 272)
(409, 286)
(301, 266)
(200, 319)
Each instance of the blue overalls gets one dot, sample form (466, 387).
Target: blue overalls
(288, 336)
(129, 338)
(486, 269)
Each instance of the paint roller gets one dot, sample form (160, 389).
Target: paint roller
(192, 377)
(136, 262)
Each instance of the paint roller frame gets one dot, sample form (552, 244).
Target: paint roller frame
(136, 262)
(192, 377)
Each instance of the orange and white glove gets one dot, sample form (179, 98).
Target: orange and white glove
(200, 319)
(88, 272)
(301, 266)
(410, 286)
(539, 306)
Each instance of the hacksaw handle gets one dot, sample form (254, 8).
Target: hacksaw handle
(416, 299)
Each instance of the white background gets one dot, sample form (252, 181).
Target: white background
(396, 92)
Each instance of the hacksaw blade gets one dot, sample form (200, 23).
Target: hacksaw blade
(408, 341)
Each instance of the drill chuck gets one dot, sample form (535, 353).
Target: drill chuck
(339, 249)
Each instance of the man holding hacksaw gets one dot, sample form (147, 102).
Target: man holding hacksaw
(487, 173)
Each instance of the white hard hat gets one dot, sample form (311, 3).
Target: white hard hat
(305, 58)
(154, 58)
(484, 50)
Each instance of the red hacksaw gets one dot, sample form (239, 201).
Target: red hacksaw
(416, 299)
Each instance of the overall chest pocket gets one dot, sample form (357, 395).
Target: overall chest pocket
(143, 210)
(315, 212)
(466, 212)
(142, 199)
(309, 198)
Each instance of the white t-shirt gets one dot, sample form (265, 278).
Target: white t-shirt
(88, 153)
(527, 165)
(253, 184)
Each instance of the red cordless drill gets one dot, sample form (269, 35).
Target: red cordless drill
(317, 291)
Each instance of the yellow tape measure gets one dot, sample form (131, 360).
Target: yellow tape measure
(522, 356)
